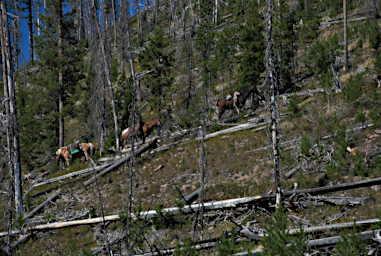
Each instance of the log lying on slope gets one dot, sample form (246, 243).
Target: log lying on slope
(122, 161)
(366, 235)
(237, 128)
(42, 205)
(71, 175)
(208, 206)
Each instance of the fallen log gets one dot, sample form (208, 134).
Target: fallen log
(366, 235)
(328, 23)
(121, 161)
(71, 175)
(336, 200)
(208, 206)
(237, 128)
(338, 226)
(42, 205)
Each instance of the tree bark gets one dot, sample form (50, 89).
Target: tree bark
(345, 36)
(61, 89)
(273, 81)
(30, 26)
(12, 126)
(107, 74)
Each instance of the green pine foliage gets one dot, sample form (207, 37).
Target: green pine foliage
(158, 58)
(278, 242)
(37, 101)
(251, 44)
(350, 245)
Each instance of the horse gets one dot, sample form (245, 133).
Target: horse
(137, 130)
(74, 150)
(63, 154)
(228, 103)
(88, 149)
(149, 126)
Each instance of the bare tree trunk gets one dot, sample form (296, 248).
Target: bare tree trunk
(12, 126)
(38, 21)
(215, 16)
(107, 74)
(345, 36)
(273, 80)
(156, 13)
(79, 20)
(114, 21)
(61, 90)
(30, 26)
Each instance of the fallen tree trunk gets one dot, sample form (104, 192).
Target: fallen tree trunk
(328, 23)
(338, 226)
(336, 200)
(208, 206)
(71, 175)
(237, 128)
(366, 235)
(42, 205)
(121, 161)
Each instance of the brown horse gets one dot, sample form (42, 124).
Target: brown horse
(137, 130)
(149, 126)
(63, 154)
(228, 103)
(88, 149)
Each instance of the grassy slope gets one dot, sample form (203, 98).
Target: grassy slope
(234, 171)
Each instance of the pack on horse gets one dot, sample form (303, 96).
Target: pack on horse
(67, 153)
(75, 150)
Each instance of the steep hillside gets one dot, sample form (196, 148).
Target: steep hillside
(151, 204)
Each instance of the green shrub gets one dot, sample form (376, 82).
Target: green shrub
(351, 245)
(186, 249)
(305, 145)
(278, 241)
(226, 246)
(321, 55)
(353, 89)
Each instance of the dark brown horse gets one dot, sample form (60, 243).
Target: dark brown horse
(228, 103)
(149, 126)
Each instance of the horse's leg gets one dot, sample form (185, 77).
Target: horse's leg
(236, 108)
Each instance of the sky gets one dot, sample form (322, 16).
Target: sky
(24, 45)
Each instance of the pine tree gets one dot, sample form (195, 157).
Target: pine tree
(157, 59)
(39, 104)
(251, 43)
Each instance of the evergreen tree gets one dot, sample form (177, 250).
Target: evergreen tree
(157, 60)
(251, 45)
(40, 96)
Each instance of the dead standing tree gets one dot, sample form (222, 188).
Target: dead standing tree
(106, 71)
(11, 112)
(272, 80)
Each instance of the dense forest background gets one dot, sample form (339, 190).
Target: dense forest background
(98, 66)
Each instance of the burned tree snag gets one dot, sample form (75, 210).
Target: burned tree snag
(11, 112)
(272, 79)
